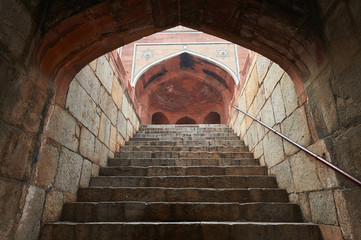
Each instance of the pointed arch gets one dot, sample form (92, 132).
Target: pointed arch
(234, 75)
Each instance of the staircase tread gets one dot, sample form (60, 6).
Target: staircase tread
(186, 188)
(176, 176)
(187, 223)
(181, 203)
(180, 167)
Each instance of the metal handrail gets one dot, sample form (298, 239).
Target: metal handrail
(342, 172)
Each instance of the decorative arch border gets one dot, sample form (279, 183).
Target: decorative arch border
(234, 75)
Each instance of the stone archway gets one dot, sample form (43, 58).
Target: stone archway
(159, 118)
(184, 85)
(212, 118)
(72, 39)
(294, 34)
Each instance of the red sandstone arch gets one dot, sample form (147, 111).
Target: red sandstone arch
(76, 32)
(184, 85)
(159, 118)
(212, 118)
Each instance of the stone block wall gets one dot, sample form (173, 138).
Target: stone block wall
(77, 139)
(270, 95)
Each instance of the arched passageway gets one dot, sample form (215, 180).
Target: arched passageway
(212, 118)
(184, 85)
(72, 39)
(159, 118)
(41, 55)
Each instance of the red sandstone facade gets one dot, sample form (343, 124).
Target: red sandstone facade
(185, 87)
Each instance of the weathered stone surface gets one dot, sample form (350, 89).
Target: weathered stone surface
(347, 153)
(104, 153)
(355, 9)
(29, 224)
(87, 145)
(82, 107)
(305, 206)
(322, 105)
(278, 105)
(242, 102)
(104, 129)
(105, 73)
(130, 129)
(117, 93)
(273, 76)
(243, 128)
(68, 175)
(260, 99)
(10, 194)
(263, 65)
(323, 208)
(330, 232)
(126, 108)
(273, 149)
(348, 203)
(16, 152)
(85, 173)
(283, 174)
(120, 141)
(325, 174)
(95, 170)
(137, 124)
(342, 37)
(53, 206)
(113, 138)
(252, 136)
(251, 88)
(289, 94)
(122, 124)
(258, 150)
(133, 118)
(296, 128)
(267, 114)
(19, 30)
(108, 106)
(63, 128)
(89, 82)
(347, 89)
(261, 130)
(47, 166)
(93, 64)
(304, 169)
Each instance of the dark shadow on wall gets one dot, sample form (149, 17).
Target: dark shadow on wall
(159, 118)
(212, 118)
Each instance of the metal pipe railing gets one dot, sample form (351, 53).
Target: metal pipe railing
(327, 163)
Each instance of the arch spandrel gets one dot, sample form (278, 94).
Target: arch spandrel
(71, 39)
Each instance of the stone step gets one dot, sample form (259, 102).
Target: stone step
(185, 148)
(184, 154)
(185, 138)
(175, 212)
(182, 130)
(182, 162)
(182, 171)
(181, 143)
(181, 231)
(186, 181)
(186, 135)
(185, 126)
(107, 194)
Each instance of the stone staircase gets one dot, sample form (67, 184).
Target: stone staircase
(182, 182)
